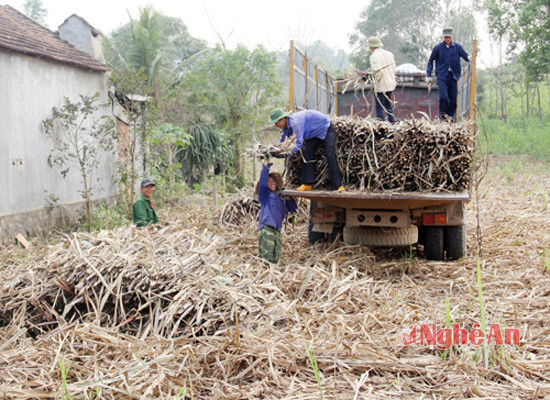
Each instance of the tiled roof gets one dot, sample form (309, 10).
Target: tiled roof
(20, 34)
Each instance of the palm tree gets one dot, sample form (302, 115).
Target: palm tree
(154, 43)
(145, 55)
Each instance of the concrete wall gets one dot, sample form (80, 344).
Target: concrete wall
(62, 217)
(30, 88)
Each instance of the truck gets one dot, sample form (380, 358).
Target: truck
(434, 220)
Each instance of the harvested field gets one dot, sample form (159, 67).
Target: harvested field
(188, 310)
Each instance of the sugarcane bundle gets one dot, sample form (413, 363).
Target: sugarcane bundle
(239, 210)
(358, 80)
(263, 151)
(411, 155)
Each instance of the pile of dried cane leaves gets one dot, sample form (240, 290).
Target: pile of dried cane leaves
(243, 208)
(187, 310)
(240, 209)
(410, 155)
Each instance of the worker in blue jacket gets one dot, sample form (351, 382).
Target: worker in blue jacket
(272, 214)
(447, 70)
(312, 129)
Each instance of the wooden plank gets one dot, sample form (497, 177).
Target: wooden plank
(21, 239)
(380, 200)
(452, 196)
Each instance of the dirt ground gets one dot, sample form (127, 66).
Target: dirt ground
(328, 323)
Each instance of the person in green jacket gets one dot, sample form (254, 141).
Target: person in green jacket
(144, 213)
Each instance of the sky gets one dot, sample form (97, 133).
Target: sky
(249, 22)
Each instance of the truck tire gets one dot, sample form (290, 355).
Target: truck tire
(421, 234)
(433, 243)
(381, 237)
(455, 242)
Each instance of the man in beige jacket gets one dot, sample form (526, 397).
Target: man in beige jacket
(383, 64)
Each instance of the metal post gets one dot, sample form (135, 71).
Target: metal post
(291, 78)
(473, 84)
(335, 98)
(304, 66)
(317, 85)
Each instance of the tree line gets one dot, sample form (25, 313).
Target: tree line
(193, 108)
(521, 32)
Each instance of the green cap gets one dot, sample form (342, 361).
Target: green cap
(277, 114)
(374, 41)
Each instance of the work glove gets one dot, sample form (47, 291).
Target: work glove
(278, 155)
(470, 58)
(428, 79)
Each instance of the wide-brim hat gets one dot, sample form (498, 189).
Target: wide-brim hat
(277, 114)
(374, 41)
(448, 32)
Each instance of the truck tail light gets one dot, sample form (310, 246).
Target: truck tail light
(434, 219)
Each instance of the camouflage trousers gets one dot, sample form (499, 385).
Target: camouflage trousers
(269, 244)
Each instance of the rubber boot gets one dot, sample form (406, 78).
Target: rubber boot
(304, 188)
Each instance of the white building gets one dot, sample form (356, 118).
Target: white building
(38, 68)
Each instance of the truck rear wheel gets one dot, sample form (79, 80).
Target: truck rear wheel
(433, 242)
(381, 237)
(455, 242)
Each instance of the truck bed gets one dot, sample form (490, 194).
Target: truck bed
(381, 200)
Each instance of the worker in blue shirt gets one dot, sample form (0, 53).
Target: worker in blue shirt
(272, 214)
(312, 129)
(447, 70)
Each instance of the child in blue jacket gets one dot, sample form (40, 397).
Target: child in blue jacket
(272, 214)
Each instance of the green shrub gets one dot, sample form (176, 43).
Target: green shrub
(106, 216)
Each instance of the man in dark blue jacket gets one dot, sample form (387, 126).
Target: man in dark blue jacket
(447, 70)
